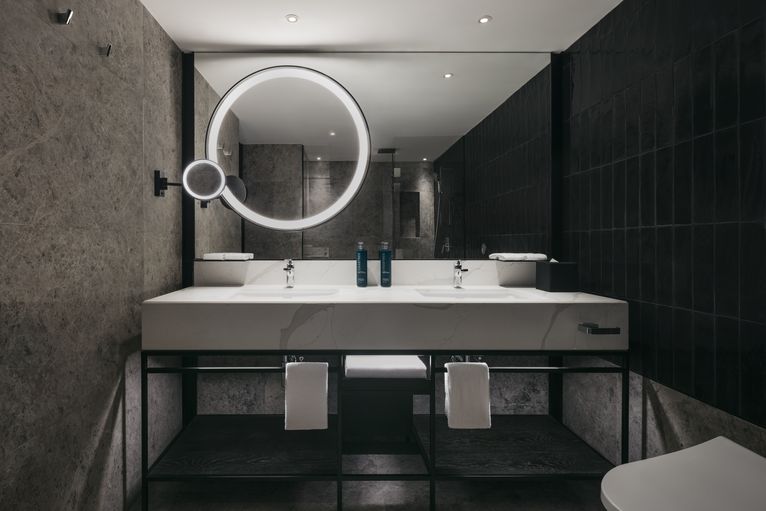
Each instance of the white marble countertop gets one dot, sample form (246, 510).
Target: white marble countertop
(415, 317)
(370, 295)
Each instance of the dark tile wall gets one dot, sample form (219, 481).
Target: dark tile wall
(507, 167)
(664, 188)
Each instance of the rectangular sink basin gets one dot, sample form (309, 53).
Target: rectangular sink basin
(464, 293)
(285, 292)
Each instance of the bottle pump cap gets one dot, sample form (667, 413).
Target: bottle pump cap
(360, 245)
(384, 245)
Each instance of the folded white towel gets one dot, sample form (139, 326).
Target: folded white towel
(466, 390)
(512, 256)
(385, 366)
(227, 256)
(306, 395)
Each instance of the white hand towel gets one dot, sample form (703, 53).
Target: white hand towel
(385, 366)
(306, 395)
(227, 256)
(466, 389)
(512, 256)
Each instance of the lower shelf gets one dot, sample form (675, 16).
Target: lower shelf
(515, 446)
(258, 447)
(247, 445)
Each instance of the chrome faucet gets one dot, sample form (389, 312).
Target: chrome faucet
(289, 273)
(457, 274)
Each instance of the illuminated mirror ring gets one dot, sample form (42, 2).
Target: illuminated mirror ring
(360, 123)
(204, 180)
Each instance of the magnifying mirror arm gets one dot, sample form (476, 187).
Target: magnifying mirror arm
(161, 184)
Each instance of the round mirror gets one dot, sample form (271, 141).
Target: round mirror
(301, 142)
(204, 180)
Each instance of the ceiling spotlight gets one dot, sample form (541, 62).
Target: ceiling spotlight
(332, 133)
(485, 19)
(292, 18)
(425, 159)
(448, 75)
(319, 158)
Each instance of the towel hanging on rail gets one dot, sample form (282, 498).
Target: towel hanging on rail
(306, 395)
(466, 395)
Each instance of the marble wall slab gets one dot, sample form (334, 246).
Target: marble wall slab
(83, 241)
(662, 420)
(265, 393)
(217, 229)
(371, 217)
(417, 177)
(273, 174)
(343, 273)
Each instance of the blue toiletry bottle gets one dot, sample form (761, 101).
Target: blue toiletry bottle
(385, 264)
(361, 265)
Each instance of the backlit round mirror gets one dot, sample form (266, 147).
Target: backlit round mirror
(204, 180)
(302, 144)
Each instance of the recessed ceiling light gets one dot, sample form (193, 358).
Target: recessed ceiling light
(332, 133)
(425, 159)
(292, 18)
(448, 75)
(485, 19)
(319, 158)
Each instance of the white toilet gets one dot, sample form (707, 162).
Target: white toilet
(717, 475)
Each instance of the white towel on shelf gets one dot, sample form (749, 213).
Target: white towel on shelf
(227, 256)
(466, 392)
(385, 366)
(306, 395)
(512, 256)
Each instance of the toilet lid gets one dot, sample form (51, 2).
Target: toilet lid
(713, 476)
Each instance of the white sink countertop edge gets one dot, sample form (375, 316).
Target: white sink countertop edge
(260, 294)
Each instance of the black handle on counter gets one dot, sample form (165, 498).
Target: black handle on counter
(594, 329)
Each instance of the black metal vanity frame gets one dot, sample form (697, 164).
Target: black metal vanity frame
(432, 475)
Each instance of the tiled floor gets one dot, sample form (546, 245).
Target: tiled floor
(377, 496)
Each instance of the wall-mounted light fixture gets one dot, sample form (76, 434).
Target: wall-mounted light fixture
(161, 184)
(64, 18)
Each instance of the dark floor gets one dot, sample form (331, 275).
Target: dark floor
(376, 496)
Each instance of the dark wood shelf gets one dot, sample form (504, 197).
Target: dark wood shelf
(257, 446)
(247, 445)
(516, 446)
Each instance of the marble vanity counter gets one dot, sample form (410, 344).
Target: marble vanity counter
(342, 317)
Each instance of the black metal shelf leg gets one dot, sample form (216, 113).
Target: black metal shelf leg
(432, 433)
(625, 414)
(339, 440)
(144, 434)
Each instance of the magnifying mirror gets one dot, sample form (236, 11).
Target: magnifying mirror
(204, 180)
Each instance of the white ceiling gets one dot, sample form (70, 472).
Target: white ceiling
(382, 25)
(407, 102)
